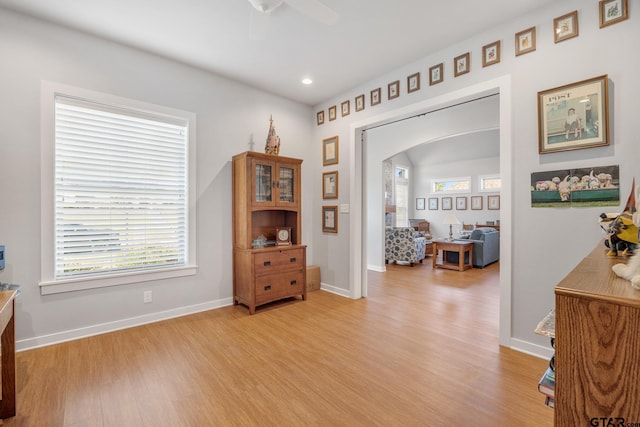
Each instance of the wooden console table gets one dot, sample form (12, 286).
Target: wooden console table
(8, 347)
(597, 344)
(459, 247)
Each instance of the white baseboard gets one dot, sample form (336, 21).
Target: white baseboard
(335, 290)
(532, 349)
(377, 268)
(103, 328)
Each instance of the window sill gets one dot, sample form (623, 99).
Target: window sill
(81, 283)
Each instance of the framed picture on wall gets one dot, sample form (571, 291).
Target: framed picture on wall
(447, 203)
(526, 41)
(493, 202)
(436, 74)
(565, 27)
(461, 64)
(332, 113)
(329, 219)
(433, 203)
(476, 203)
(461, 203)
(413, 83)
(376, 98)
(574, 116)
(420, 204)
(346, 108)
(330, 185)
(330, 151)
(491, 54)
(612, 11)
(393, 89)
(320, 117)
(360, 102)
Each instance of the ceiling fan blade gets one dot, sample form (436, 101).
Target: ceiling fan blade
(258, 25)
(315, 10)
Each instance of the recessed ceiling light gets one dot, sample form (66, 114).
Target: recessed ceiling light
(307, 81)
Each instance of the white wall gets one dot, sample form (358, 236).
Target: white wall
(546, 243)
(229, 116)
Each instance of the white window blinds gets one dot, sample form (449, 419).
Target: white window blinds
(121, 189)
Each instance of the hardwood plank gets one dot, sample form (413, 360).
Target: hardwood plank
(422, 349)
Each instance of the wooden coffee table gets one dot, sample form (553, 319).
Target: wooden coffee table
(459, 247)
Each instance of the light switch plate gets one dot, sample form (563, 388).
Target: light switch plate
(344, 208)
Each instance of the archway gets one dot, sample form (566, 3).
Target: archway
(359, 177)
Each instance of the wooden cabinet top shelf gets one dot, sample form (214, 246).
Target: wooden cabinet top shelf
(593, 277)
(269, 157)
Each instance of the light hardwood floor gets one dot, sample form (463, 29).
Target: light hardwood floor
(421, 350)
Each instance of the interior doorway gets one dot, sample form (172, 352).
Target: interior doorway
(363, 156)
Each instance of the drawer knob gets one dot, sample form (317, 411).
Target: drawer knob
(292, 260)
(267, 263)
(294, 282)
(267, 288)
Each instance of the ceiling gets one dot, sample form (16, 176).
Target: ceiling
(370, 38)
(458, 148)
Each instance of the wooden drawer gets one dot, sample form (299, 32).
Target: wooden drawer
(273, 287)
(278, 261)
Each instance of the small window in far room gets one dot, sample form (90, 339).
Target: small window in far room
(490, 183)
(451, 185)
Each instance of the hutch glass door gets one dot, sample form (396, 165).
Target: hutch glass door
(263, 174)
(286, 185)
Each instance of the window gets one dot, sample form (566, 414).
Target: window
(402, 196)
(451, 185)
(489, 183)
(120, 192)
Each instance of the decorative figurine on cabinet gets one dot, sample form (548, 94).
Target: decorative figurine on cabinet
(622, 233)
(631, 270)
(273, 140)
(622, 229)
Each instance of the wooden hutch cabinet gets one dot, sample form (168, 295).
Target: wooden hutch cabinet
(266, 196)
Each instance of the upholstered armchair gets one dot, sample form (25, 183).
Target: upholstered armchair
(403, 245)
(486, 247)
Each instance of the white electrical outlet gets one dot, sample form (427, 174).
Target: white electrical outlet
(148, 297)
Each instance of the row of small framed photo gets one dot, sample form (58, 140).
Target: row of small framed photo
(493, 203)
(564, 27)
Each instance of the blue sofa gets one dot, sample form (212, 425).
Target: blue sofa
(403, 245)
(486, 247)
